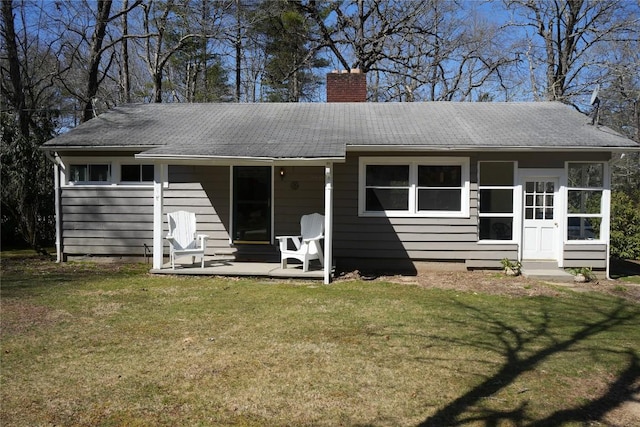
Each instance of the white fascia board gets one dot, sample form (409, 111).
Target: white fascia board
(238, 161)
(402, 148)
(65, 148)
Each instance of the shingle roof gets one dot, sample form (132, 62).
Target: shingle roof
(326, 130)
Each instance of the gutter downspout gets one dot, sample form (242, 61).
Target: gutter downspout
(57, 167)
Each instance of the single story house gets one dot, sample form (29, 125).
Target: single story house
(397, 182)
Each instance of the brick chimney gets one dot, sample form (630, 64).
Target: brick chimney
(346, 86)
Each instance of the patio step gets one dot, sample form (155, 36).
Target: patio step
(545, 270)
(256, 253)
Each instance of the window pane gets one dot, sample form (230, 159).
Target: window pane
(584, 201)
(496, 201)
(529, 187)
(550, 187)
(548, 213)
(147, 173)
(439, 176)
(584, 228)
(496, 173)
(386, 200)
(130, 173)
(586, 175)
(496, 228)
(439, 200)
(78, 173)
(388, 175)
(99, 173)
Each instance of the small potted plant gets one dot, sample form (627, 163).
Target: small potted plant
(582, 274)
(511, 268)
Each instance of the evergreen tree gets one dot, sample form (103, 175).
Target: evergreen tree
(290, 59)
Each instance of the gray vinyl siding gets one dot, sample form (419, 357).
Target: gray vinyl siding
(205, 191)
(106, 221)
(410, 238)
(577, 255)
(300, 192)
(116, 220)
(544, 160)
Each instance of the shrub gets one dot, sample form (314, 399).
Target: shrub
(625, 226)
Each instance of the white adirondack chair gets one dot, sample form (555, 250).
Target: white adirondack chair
(307, 246)
(183, 239)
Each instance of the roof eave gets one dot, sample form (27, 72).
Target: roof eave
(98, 148)
(238, 160)
(404, 148)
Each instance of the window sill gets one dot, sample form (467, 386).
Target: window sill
(585, 242)
(412, 215)
(109, 185)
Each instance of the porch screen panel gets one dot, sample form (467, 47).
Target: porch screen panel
(584, 200)
(496, 197)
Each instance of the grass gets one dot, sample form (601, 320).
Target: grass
(108, 345)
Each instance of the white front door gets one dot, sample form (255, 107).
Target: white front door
(540, 231)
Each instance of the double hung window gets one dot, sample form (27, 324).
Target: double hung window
(584, 200)
(414, 187)
(496, 191)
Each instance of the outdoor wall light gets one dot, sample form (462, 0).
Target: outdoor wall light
(282, 173)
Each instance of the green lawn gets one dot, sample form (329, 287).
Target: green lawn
(109, 345)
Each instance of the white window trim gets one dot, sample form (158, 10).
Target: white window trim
(514, 215)
(114, 166)
(413, 163)
(605, 206)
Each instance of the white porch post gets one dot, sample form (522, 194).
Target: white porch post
(328, 222)
(56, 190)
(605, 227)
(158, 184)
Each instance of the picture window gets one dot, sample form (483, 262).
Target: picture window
(414, 187)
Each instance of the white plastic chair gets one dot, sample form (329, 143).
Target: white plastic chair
(182, 237)
(307, 245)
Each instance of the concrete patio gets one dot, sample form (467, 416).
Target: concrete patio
(214, 266)
(545, 270)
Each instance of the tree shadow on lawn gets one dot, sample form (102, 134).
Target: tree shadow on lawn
(518, 348)
(26, 276)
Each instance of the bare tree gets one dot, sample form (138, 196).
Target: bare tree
(27, 119)
(15, 94)
(563, 39)
(95, 56)
(85, 36)
(125, 76)
(168, 29)
(415, 50)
